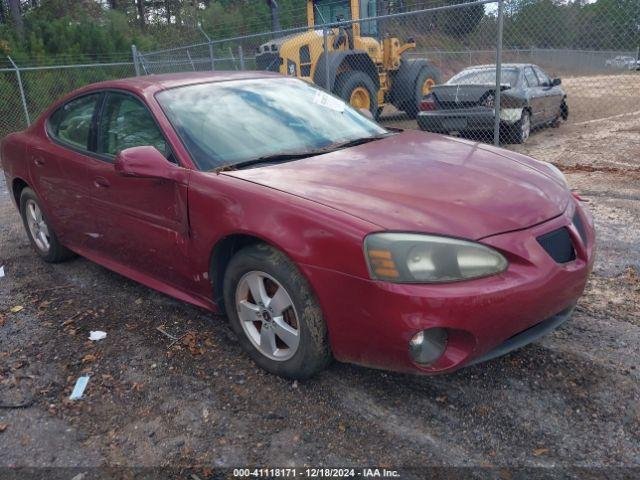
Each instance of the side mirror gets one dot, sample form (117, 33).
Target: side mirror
(365, 112)
(147, 162)
(555, 82)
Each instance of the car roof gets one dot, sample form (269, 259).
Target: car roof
(150, 84)
(504, 65)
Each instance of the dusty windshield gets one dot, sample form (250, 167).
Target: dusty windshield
(226, 123)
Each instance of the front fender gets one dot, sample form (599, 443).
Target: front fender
(221, 205)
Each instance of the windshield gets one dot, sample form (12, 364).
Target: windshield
(483, 76)
(226, 123)
(327, 11)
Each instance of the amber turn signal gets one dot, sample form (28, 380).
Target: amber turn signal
(382, 264)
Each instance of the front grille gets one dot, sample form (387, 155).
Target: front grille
(558, 245)
(577, 222)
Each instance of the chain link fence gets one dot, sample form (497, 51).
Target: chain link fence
(490, 70)
(27, 91)
(426, 65)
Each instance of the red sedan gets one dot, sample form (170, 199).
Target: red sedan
(320, 233)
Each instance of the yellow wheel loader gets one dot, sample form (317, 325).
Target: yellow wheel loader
(366, 67)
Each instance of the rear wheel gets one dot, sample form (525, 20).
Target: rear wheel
(42, 237)
(428, 78)
(358, 89)
(275, 314)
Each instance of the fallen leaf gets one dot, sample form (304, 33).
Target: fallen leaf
(17, 308)
(89, 357)
(539, 451)
(3, 427)
(341, 427)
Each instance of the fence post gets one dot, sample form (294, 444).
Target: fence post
(213, 62)
(241, 57)
(496, 126)
(325, 44)
(134, 54)
(22, 95)
(193, 67)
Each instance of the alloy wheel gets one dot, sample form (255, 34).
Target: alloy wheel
(38, 227)
(267, 315)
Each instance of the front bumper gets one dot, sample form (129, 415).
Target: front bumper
(465, 119)
(370, 323)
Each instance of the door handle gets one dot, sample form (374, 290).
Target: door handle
(100, 182)
(39, 161)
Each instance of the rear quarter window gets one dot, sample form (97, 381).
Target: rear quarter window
(71, 123)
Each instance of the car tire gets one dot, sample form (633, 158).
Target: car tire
(357, 89)
(522, 128)
(42, 237)
(427, 78)
(564, 110)
(283, 330)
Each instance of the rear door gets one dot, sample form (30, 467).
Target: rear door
(536, 96)
(142, 223)
(58, 166)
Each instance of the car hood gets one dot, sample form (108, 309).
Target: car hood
(416, 181)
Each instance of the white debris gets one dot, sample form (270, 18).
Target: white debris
(78, 389)
(97, 335)
(328, 101)
(1, 271)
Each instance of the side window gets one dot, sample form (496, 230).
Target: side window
(544, 79)
(71, 123)
(127, 123)
(530, 77)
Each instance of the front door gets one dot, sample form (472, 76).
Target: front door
(142, 223)
(536, 96)
(552, 95)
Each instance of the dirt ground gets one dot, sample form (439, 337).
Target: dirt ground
(571, 399)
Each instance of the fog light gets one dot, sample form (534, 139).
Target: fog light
(428, 345)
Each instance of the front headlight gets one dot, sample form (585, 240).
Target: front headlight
(416, 258)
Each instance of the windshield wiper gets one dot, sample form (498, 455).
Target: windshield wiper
(287, 156)
(357, 141)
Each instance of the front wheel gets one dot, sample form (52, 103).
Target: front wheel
(275, 314)
(522, 128)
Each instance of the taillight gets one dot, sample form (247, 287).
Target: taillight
(428, 103)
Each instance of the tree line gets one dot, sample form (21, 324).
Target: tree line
(99, 28)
